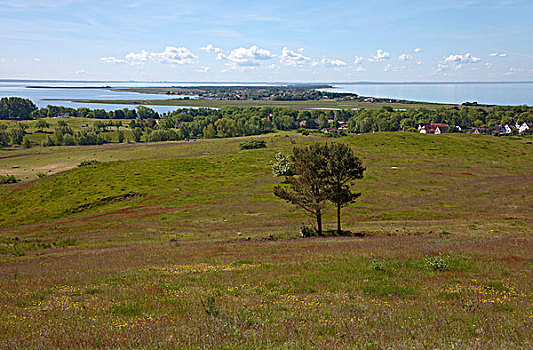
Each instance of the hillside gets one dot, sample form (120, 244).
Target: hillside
(169, 243)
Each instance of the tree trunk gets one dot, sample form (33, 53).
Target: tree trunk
(339, 231)
(319, 222)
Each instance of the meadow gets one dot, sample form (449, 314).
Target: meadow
(183, 245)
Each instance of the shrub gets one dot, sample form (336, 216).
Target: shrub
(252, 144)
(40, 174)
(379, 265)
(437, 263)
(8, 179)
(88, 163)
(282, 165)
(307, 231)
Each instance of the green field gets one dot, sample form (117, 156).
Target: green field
(299, 105)
(183, 245)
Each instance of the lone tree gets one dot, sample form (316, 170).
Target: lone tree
(342, 168)
(308, 187)
(322, 172)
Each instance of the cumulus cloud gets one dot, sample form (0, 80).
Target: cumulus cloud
(380, 56)
(358, 60)
(246, 57)
(417, 50)
(293, 59)
(498, 54)
(458, 59)
(405, 57)
(488, 65)
(81, 72)
(456, 62)
(171, 55)
(328, 62)
(37, 59)
(360, 69)
(211, 48)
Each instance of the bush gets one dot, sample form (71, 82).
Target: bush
(437, 263)
(88, 163)
(8, 179)
(282, 165)
(252, 144)
(307, 231)
(40, 175)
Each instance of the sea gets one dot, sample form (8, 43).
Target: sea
(61, 93)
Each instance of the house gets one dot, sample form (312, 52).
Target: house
(302, 124)
(479, 131)
(523, 127)
(343, 126)
(63, 115)
(328, 130)
(370, 99)
(433, 129)
(508, 128)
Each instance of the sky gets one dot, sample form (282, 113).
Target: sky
(267, 41)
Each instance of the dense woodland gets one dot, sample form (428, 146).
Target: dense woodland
(187, 123)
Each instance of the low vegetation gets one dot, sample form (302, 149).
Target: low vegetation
(183, 245)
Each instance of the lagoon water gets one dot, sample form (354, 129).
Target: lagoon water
(456, 93)
(61, 94)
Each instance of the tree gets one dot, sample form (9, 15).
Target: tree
(137, 134)
(342, 167)
(41, 124)
(308, 187)
(120, 136)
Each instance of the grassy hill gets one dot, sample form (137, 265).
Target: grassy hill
(183, 244)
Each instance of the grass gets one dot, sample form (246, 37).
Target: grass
(299, 105)
(183, 245)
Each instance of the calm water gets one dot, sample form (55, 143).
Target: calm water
(494, 93)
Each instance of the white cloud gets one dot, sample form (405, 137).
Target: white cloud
(498, 54)
(293, 59)
(211, 48)
(441, 68)
(81, 72)
(419, 62)
(405, 57)
(458, 59)
(380, 56)
(37, 59)
(171, 55)
(301, 49)
(113, 60)
(2, 60)
(390, 68)
(456, 62)
(246, 57)
(360, 69)
(332, 63)
(513, 70)
(488, 65)
(417, 50)
(358, 60)
(203, 69)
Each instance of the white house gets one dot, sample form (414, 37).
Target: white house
(523, 127)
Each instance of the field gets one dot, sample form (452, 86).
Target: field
(299, 105)
(183, 244)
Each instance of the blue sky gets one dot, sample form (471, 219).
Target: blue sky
(298, 41)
